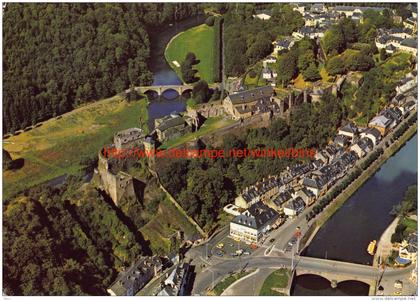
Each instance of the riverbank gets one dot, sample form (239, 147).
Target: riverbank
(384, 245)
(333, 207)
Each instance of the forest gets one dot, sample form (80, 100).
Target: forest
(203, 186)
(59, 56)
(65, 241)
(248, 39)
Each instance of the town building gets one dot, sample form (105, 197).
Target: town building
(362, 147)
(381, 123)
(134, 278)
(173, 126)
(283, 44)
(261, 191)
(176, 283)
(350, 130)
(307, 195)
(341, 140)
(373, 134)
(253, 223)
(245, 104)
(294, 207)
(129, 138)
(408, 249)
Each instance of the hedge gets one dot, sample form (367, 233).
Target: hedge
(217, 76)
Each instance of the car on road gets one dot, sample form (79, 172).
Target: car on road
(272, 240)
(247, 253)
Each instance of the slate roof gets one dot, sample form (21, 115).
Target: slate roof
(349, 128)
(170, 121)
(409, 43)
(257, 216)
(251, 95)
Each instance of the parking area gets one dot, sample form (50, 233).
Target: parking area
(228, 247)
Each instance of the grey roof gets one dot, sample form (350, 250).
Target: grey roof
(251, 95)
(308, 182)
(129, 282)
(297, 204)
(349, 128)
(409, 43)
(341, 140)
(374, 132)
(365, 144)
(170, 121)
(257, 216)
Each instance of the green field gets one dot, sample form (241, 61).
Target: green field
(278, 279)
(59, 146)
(200, 41)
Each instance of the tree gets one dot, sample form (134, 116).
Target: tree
(287, 67)
(201, 92)
(382, 54)
(311, 73)
(335, 65)
(333, 41)
(7, 160)
(210, 21)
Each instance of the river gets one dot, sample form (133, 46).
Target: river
(364, 217)
(163, 73)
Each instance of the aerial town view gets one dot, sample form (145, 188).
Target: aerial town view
(210, 149)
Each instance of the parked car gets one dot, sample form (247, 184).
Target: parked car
(247, 253)
(272, 240)
(220, 245)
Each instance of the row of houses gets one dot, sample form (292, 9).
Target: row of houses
(396, 41)
(263, 206)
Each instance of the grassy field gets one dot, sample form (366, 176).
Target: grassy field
(225, 283)
(210, 125)
(199, 40)
(59, 146)
(278, 279)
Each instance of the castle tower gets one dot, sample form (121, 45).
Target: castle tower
(149, 148)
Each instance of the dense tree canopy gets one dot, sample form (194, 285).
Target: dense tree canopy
(57, 56)
(54, 247)
(248, 39)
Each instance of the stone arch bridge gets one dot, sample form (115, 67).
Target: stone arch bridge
(180, 89)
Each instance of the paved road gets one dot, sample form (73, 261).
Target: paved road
(212, 275)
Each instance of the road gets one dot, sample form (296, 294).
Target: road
(213, 274)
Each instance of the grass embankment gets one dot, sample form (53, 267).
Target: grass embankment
(59, 146)
(198, 40)
(164, 224)
(210, 125)
(226, 282)
(276, 281)
(353, 187)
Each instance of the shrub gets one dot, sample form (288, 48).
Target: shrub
(210, 21)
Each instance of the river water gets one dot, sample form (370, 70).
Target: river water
(363, 218)
(163, 73)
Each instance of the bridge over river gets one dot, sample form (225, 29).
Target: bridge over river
(334, 271)
(160, 89)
